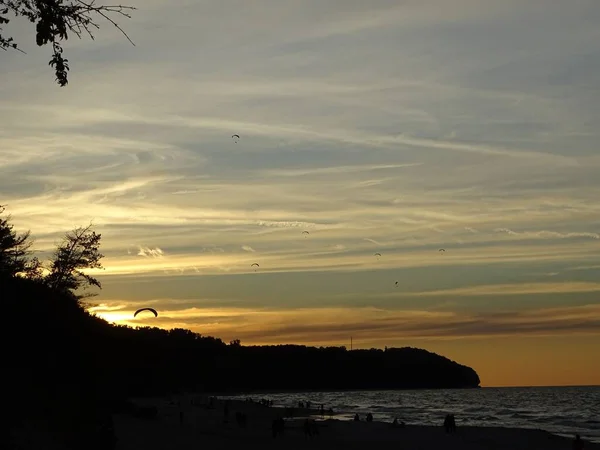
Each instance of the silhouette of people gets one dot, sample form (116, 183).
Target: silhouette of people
(356, 417)
(450, 423)
(578, 443)
(241, 419)
(369, 417)
(226, 412)
(307, 429)
(310, 428)
(278, 426)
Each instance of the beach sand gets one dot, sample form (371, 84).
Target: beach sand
(204, 428)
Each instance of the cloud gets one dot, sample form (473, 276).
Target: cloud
(247, 248)
(337, 170)
(514, 289)
(543, 234)
(373, 241)
(335, 325)
(150, 252)
(297, 257)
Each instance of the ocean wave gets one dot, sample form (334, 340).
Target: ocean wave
(562, 411)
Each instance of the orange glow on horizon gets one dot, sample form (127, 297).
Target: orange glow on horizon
(500, 361)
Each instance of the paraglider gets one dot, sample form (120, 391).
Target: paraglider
(235, 137)
(305, 233)
(442, 250)
(396, 284)
(152, 310)
(254, 264)
(378, 255)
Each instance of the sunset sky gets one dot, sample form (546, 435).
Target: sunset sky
(391, 127)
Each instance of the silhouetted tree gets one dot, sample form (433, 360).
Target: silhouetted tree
(14, 248)
(54, 20)
(78, 251)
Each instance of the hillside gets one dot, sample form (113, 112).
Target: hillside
(51, 334)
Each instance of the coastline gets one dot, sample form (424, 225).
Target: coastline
(186, 421)
(309, 391)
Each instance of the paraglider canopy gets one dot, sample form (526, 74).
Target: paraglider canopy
(378, 254)
(442, 250)
(235, 137)
(254, 264)
(152, 310)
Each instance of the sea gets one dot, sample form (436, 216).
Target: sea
(564, 411)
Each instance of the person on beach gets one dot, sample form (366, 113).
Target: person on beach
(356, 417)
(450, 423)
(578, 443)
(226, 412)
(307, 429)
(278, 426)
(241, 419)
(369, 417)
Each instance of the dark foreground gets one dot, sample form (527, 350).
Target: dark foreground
(204, 427)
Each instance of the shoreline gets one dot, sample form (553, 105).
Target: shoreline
(185, 421)
(310, 391)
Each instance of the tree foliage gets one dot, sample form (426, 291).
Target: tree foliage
(54, 20)
(78, 251)
(14, 248)
(65, 272)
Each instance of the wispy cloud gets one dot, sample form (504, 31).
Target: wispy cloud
(337, 170)
(335, 325)
(514, 289)
(247, 248)
(373, 241)
(544, 234)
(150, 252)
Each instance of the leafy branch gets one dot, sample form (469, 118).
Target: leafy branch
(55, 19)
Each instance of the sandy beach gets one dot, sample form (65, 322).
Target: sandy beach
(202, 427)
